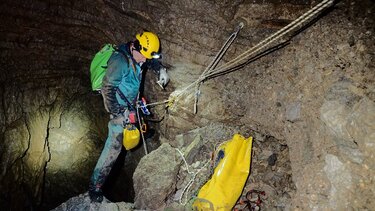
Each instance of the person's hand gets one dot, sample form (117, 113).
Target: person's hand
(163, 77)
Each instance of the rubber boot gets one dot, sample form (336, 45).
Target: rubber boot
(96, 194)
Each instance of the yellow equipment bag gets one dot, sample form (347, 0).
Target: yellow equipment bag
(225, 187)
(131, 137)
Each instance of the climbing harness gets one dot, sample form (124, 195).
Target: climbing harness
(250, 55)
(142, 127)
(132, 120)
(143, 105)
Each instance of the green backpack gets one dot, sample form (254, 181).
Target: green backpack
(98, 66)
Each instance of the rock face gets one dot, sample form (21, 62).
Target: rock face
(82, 203)
(310, 104)
(54, 151)
(155, 178)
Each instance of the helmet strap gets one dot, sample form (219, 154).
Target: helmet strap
(137, 45)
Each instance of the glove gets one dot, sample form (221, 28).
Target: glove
(163, 77)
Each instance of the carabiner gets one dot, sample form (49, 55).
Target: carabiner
(143, 128)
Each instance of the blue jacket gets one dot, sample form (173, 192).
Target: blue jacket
(123, 73)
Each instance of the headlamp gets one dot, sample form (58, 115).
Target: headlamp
(156, 55)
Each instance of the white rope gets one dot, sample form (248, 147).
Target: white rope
(157, 103)
(183, 158)
(293, 25)
(208, 72)
(223, 49)
(190, 183)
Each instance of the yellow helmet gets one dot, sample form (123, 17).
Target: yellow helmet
(131, 137)
(149, 44)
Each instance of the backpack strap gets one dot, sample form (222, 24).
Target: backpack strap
(121, 94)
(127, 58)
(125, 99)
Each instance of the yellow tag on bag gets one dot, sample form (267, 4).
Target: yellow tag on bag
(222, 191)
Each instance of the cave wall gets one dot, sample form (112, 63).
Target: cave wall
(316, 94)
(52, 126)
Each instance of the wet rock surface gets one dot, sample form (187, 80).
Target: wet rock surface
(82, 203)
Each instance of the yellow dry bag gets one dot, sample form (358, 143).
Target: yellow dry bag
(225, 187)
(131, 137)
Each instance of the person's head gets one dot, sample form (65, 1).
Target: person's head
(147, 45)
(137, 56)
